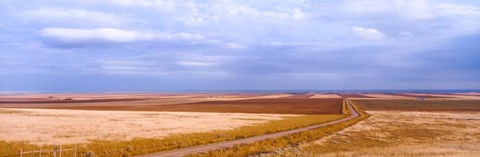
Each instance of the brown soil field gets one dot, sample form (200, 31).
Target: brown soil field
(235, 103)
(83, 96)
(280, 106)
(414, 105)
(105, 97)
(354, 96)
(109, 96)
(34, 101)
(111, 104)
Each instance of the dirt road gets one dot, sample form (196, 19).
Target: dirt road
(228, 144)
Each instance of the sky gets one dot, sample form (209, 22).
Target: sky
(160, 45)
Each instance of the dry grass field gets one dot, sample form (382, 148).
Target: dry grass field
(401, 128)
(402, 133)
(125, 128)
(47, 126)
(138, 146)
(149, 123)
(278, 146)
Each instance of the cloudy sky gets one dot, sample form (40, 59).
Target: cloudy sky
(159, 45)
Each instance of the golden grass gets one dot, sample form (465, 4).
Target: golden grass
(345, 110)
(272, 146)
(47, 126)
(138, 146)
(392, 133)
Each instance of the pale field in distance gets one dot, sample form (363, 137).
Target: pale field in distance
(53, 126)
(325, 96)
(387, 96)
(401, 133)
(460, 96)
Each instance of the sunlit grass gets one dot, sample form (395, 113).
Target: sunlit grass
(139, 146)
(404, 133)
(345, 110)
(270, 145)
(55, 126)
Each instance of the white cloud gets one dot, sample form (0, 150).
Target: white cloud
(402, 9)
(297, 14)
(247, 12)
(193, 20)
(198, 60)
(77, 16)
(147, 3)
(317, 45)
(160, 5)
(234, 46)
(450, 9)
(181, 36)
(368, 33)
(195, 63)
(105, 37)
(119, 65)
(409, 9)
(113, 35)
(126, 66)
(100, 34)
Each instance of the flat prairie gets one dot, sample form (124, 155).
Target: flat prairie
(296, 105)
(29, 97)
(155, 123)
(325, 96)
(106, 101)
(125, 120)
(387, 96)
(401, 127)
(47, 126)
(298, 96)
(415, 95)
(353, 95)
(402, 133)
(233, 103)
(414, 105)
(456, 96)
(469, 93)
